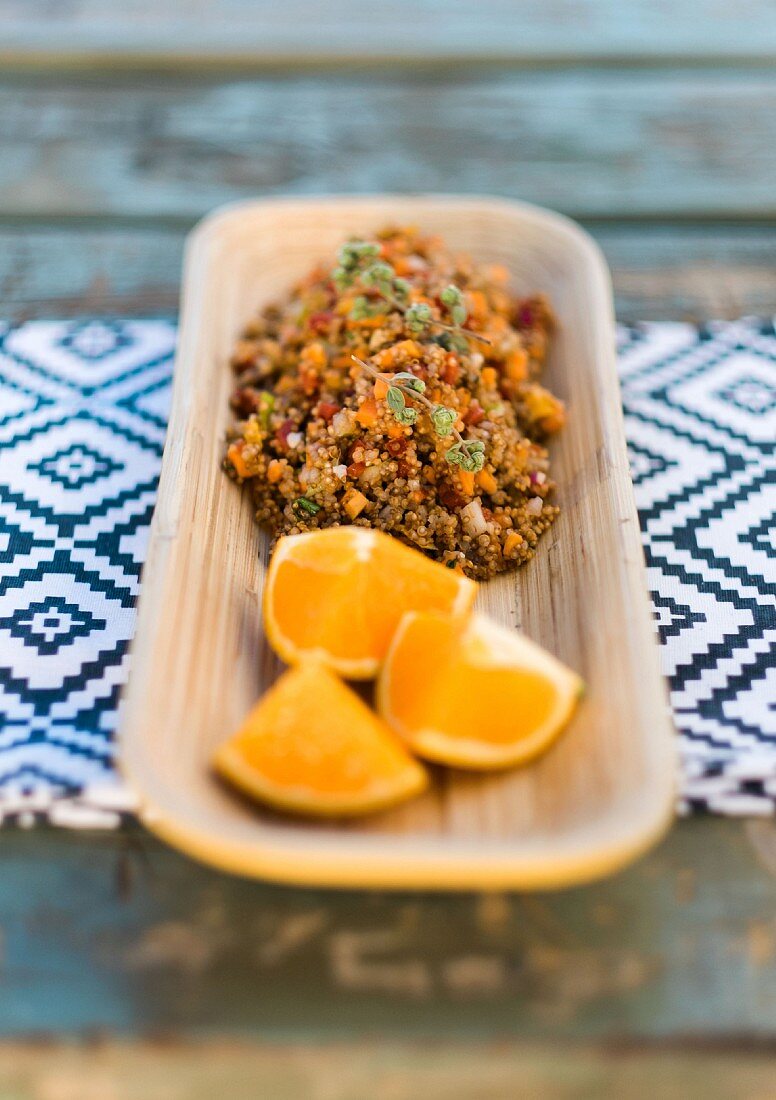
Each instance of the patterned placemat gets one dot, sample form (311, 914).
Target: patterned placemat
(83, 408)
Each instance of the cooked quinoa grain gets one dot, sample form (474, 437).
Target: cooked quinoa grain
(322, 442)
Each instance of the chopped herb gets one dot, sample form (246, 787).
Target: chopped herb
(266, 405)
(443, 420)
(452, 297)
(409, 380)
(359, 265)
(417, 317)
(469, 454)
(304, 504)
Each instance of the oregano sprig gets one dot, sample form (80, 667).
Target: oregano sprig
(359, 265)
(469, 454)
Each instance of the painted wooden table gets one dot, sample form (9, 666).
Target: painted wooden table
(655, 125)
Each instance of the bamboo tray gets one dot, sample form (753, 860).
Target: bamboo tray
(199, 661)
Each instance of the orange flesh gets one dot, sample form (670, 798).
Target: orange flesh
(310, 733)
(436, 686)
(326, 599)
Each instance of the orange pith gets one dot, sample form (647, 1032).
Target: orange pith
(339, 594)
(312, 746)
(471, 694)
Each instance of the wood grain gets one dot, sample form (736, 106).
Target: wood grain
(200, 660)
(589, 142)
(660, 271)
(447, 1070)
(264, 32)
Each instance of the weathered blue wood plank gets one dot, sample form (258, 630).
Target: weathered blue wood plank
(264, 31)
(111, 932)
(660, 271)
(613, 143)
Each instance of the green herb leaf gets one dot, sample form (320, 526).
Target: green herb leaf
(469, 455)
(361, 308)
(341, 277)
(401, 289)
(417, 316)
(411, 381)
(379, 275)
(407, 416)
(395, 399)
(352, 252)
(304, 504)
(451, 296)
(266, 405)
(443, 419)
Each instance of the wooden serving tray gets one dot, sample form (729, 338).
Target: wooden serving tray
(199, 660)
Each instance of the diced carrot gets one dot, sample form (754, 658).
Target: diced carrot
(274, 471)
(516, 366)
(235, 456)
(489, 377)
(314, 355)
(354, 503)
(466, 478)
(410, 349)
(367, 322)
(395, 430)
(477, 303)
(545, 408)
(487, 481)
(367, 414)
(381, 388)
(511, 543)
(555, 422)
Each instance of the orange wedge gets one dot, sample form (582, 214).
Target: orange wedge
(339, 594)
(473, 694)
(312, 746)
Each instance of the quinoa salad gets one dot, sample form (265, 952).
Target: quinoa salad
(397, 388)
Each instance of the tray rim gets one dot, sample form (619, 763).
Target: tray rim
(436, 864)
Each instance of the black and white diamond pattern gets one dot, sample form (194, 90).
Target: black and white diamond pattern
(700, 411)
(82, 417)
(83, 409)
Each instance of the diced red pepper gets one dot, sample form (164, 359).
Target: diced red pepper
(327, 409)
(320, 321)
(474, 414)
(283, 432)
(396, 447)
(451, 370)
(356, 469)
(451, 497)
